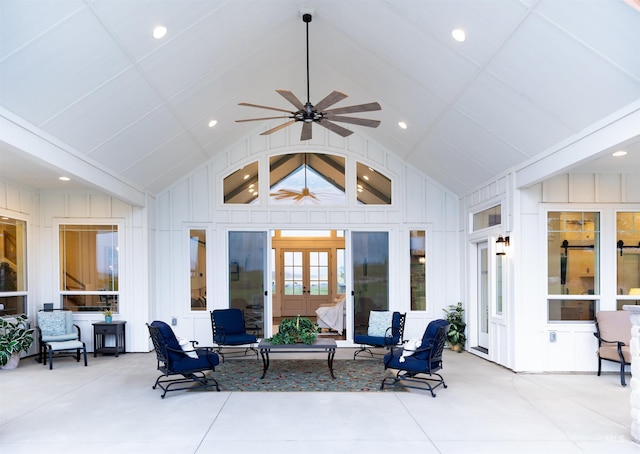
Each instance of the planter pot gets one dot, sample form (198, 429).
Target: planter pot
(108, 318)
(456, 347)
(13, 362)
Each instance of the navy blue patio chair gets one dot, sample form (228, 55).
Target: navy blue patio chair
(386, 335)
(190, 364)
(230, 330)
(419, 369)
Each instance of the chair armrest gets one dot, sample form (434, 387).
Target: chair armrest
(620, 343)
(219, 333)
(79, 332)
(388, 335)
(194, 349)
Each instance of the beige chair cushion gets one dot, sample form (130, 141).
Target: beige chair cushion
(611, 353)
(614, 326)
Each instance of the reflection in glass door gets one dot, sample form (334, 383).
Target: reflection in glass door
(370, 257)
(247, 262)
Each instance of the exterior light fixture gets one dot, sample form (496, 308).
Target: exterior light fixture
(501, 245)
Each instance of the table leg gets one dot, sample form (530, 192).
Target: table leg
(332, 353)
(265, 361)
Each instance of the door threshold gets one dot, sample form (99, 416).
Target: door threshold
(482, 350)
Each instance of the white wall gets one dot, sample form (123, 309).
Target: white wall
(575, 347)
(196, 201)
(520, 340)
(42, 211)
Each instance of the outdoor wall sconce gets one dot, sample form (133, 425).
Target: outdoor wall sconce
(501, 245)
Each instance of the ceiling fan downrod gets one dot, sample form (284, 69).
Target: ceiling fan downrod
(306, 19)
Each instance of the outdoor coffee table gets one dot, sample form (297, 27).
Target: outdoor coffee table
(321, 345)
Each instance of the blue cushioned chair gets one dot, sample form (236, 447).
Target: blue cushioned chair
(412, 371)
(230, 330)
(56, 326)
(391, 336)
(190, 364)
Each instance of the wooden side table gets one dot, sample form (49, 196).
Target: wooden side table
(103, 329)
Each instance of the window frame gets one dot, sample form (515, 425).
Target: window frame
(57, 290)
(24, 294)
(599, 261)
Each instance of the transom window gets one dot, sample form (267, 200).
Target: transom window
(307, 179)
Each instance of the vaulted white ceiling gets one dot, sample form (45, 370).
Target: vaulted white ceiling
(88, 78)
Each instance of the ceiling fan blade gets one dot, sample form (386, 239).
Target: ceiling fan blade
(355, 121)
(264, 107)
(306, 131)
(354, 109)
(330, 100)
(344, 132)
(291, 98)
(277, 128)
(263, 118)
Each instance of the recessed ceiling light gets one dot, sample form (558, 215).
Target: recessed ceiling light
(64, 178)
(212, 123)
(459, 35)
(619, 153)
(246, 177)
(159, 31)
(402, 124)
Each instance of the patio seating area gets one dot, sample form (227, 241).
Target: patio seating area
(110, 406)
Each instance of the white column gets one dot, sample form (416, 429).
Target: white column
(635, 371)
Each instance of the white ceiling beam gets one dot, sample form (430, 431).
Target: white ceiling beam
(39, 145)
(613, 130)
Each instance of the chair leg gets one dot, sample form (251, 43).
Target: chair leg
(50, 358)
(622, 382)
(599, 365)
(84, 351)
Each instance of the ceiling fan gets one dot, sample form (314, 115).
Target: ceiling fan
(308, 113)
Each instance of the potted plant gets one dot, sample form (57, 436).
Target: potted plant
(456, 336)
(15, 336)
(108, 315)
(296, 330)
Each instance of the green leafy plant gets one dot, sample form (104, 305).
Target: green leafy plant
(455, 316)
(296, 330)
(108, 313)
(14, 337)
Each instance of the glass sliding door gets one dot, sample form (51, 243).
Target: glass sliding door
(247, 267)
(370, 260)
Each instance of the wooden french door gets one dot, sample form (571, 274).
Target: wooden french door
(305, 276)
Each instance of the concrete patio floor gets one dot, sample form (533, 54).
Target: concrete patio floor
(109, 406)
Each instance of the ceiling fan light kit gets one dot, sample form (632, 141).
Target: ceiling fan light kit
(308, 114)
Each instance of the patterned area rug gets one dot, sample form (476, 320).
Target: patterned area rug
(301, 375)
